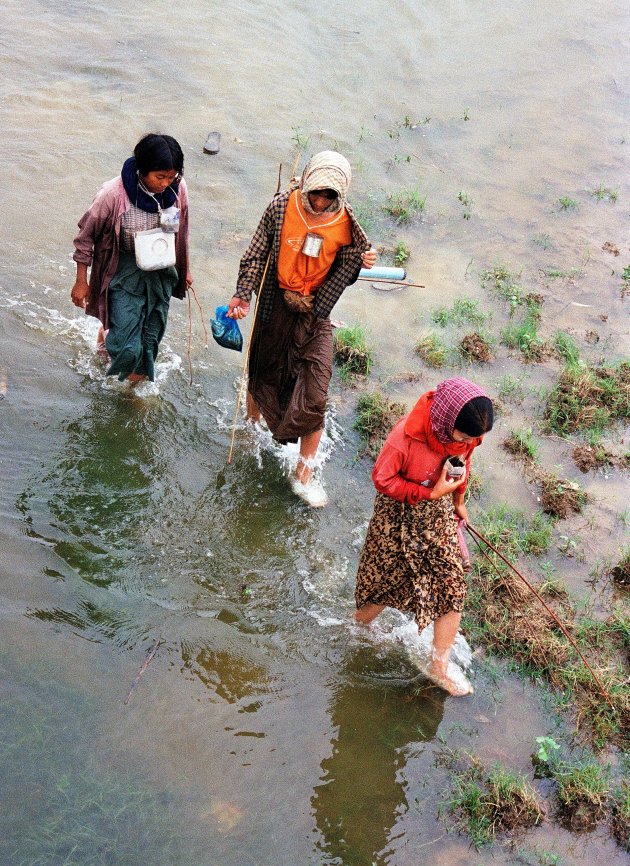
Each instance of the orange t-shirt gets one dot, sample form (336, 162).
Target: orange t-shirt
(297, 271)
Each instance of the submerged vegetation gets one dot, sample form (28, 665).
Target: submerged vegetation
(404, 205)
(504, 615)
(487, 804)
(351, 352)
(432, 349)
(376, 415)
(588, 399)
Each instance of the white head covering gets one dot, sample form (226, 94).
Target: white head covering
(326, 170)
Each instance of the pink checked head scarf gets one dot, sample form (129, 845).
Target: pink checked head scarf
(449, 399)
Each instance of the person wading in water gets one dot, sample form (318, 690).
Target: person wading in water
(316, 249)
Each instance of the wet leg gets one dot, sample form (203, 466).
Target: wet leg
(368, 612)
(308, 451)
(444, 633)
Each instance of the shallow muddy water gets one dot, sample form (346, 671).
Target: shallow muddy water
(267, 730)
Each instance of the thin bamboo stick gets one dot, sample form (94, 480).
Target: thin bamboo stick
(251, 332)
(477, 535)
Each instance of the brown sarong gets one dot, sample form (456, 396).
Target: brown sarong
(411, 559)
(290, 367)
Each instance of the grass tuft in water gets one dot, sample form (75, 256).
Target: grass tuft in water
(432, 350)
(521, 444)
(588, 399)
(376, 415)
(351, 353)
(404, 205)
(463, 312)
(503, 614)
(561, 497)
(487, 804)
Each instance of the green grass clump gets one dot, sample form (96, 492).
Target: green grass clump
(566, 348)
(351, 352)
(521, 442)
(588, 399)
(403, 205)
(401, 253)
(464, 311)
(582, 790)
(501, 282)
(605, 193)
(510, 389)
(376, 415)
(432, 350)
(567, 203)
(504, 615)
(493, 803)
(523, 335)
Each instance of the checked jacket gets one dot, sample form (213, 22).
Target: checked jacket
(344, 271)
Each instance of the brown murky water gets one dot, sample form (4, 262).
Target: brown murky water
(267, 730)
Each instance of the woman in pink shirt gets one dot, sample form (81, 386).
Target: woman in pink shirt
(132, 303)
(412, 558)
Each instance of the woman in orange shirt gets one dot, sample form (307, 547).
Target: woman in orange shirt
(316, 249)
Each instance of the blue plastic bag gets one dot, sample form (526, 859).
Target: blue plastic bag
(226, 331)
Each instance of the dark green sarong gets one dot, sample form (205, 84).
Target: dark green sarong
(138, 310)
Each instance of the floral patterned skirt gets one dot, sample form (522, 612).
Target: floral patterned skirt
(411, 559)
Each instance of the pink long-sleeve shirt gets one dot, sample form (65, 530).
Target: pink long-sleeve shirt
(98, 243)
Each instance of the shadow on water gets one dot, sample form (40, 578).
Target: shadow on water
(362, 792)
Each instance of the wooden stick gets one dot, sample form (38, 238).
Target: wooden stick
(145, 665)
(477, 535)
(251, 333)
(392, 282)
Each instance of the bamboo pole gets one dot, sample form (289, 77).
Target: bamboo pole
(251, 333)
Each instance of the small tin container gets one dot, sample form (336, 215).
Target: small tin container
(456, 467)
(312, 245)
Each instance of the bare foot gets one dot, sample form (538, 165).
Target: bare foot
(438, 673)
(136, 378)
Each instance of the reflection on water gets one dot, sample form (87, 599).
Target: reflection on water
(362, 794)
(138, 529)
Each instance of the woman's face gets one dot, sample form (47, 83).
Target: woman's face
(157, 181)
(320, 199)
(458, 436)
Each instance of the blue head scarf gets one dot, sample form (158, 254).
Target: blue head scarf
(139, 197)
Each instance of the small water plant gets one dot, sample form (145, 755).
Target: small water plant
(463, 311)
(487, 804)
(543, 241)
(475, 347)
(523, 335)
(566, 348)
(605, 193)
(621, 572)
(467, 202)
(401, 253)
(375, 417)
(582, 794)
(561, 497)
(405, 204)
(351, 352)
(432, 350)
(300, 139)
(510, 388)
(567, 203)
(588, 398)
(521, 443)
